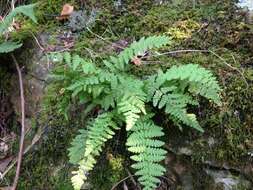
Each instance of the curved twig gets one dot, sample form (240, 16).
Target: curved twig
(121, 181)
(205, 51)
(22, 136)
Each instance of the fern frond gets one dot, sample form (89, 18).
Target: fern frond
(148, 152)
(8, 46)
(175, 105)
(26, 10)
(136, 48)
(99, 131)
(199, 80)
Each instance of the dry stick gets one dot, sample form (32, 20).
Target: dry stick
(181, 51)
(120, 182)
(100, 37)
(134, 182)
(234, 68)
(37, 41)
(22, 136)
(206, 51)
(34, 141)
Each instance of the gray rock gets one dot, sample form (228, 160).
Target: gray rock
(247, 6)
(227, 181)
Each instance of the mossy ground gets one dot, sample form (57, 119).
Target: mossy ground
(214, 25)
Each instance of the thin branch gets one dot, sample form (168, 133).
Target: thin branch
(38, 43)
(230, 66)
(180, 51)
(134, 182)
(205, 51)
(36, 138)
(22, 136)
(100, 37)
(120, 182)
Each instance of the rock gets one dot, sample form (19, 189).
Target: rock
(225, 180)
(246, 3)
(179, 171)
(247, 6)
(36, 68)
(183, 172)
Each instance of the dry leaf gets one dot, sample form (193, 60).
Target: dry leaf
(136, 61)
(67, 10)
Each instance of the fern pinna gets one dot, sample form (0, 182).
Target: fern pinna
(122, 96)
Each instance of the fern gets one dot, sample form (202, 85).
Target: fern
(131, 106)
(89, 144)
(125, 98)
(26, 10)
(8, 46)
(77, 149)
(199, 80)
(135, 49)
(178, 88)
(148, 153)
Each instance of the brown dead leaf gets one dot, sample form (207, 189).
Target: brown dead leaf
(136, 61)
(67, 10)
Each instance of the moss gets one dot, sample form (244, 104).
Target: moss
(108, 172)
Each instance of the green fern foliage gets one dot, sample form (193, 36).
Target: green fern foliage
(178, 88)
(27, 10)
(88, 145)
(77, 149)
(8, 46)
(148, 153)
(135, 49)
(125, 101)
(199, 80)
(131, 106)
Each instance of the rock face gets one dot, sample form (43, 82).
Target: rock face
(35, 67)
(209, 175)
(247, 5)
(226, 180)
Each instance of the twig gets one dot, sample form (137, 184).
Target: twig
(205, 51)
(125, 186)
(131, 177)
(180, 51)
(34, 141)
(38, 43)
(230, 66)
(100, 37)
(22, 136)
(120, 182)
